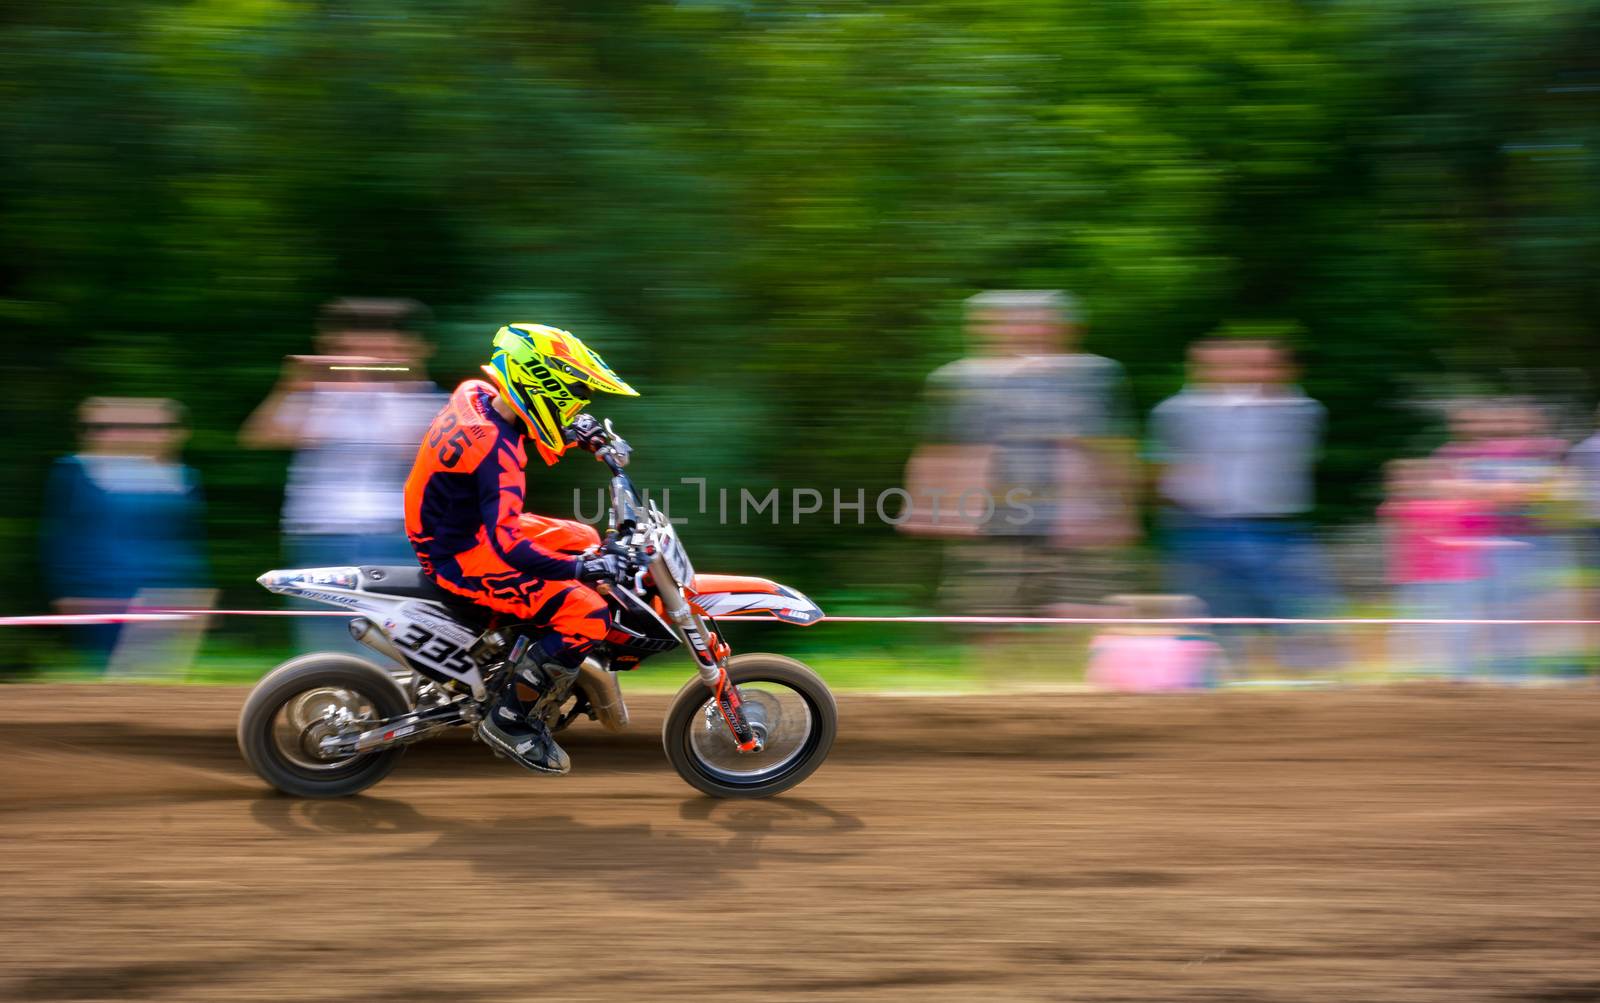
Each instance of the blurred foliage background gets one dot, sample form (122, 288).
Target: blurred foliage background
(766, 214)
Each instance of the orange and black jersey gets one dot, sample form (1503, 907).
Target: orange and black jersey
(465, 494)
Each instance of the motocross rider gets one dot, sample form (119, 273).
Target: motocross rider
(464, 518)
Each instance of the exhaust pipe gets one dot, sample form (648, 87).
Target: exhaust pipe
(367, 633)
(605, 696)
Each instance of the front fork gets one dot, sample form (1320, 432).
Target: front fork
(710, 656)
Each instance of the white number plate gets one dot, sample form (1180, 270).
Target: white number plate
(432, 639)
(677, 558)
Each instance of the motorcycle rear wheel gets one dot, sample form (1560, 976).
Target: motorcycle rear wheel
(785, 701)
(277, 723)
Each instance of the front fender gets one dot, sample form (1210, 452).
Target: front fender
(730, 596)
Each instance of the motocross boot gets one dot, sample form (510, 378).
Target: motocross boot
(517, 729)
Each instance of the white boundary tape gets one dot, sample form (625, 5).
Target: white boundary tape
(1197, 620)
(68, 620)
(148, 616)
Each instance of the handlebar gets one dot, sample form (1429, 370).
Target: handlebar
(616, 452)
(610, 457)
(625, 499)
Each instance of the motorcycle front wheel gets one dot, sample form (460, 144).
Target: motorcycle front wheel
(300, 702)
(786, 703)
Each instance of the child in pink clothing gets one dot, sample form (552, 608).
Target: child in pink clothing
(1437, 544)
(1503, 457)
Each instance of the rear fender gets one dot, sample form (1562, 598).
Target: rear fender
(431, 640)
(733, 596)
(335, 586)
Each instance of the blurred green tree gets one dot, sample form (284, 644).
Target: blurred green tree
(767, 213)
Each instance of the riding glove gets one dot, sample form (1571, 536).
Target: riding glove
(586, 432)
(600, 567)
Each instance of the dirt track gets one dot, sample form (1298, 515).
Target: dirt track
(1328, 846)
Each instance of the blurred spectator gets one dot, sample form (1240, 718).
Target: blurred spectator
(1237, 448)
(1437, 555)
(1026, 462)
(1584, 460)
(353, 414)
(1502, 456)
(124, 519)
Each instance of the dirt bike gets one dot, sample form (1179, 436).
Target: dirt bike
(751, 725)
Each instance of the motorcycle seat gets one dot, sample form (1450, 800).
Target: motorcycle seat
(405, 580)
(408, 582)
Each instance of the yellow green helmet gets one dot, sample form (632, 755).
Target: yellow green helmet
(547, 375)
